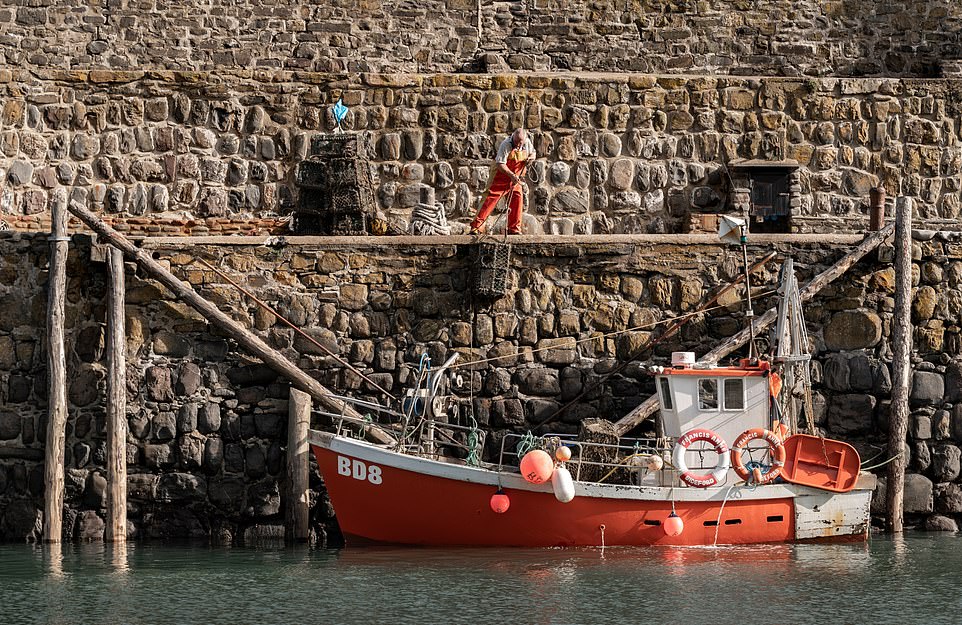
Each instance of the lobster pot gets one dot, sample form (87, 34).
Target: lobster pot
(491, 269)
(333, 224)
(339, 185)
(336, 145)
(335, 193)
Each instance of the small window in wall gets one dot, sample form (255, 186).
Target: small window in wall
(707, 394)
(665, 393)
(735, 394)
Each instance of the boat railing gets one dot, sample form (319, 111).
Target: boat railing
(427, 438)
(628, 462)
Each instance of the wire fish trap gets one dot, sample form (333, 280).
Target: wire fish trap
(330, 145)
(339, 185)
(491, 269)
(331, 224)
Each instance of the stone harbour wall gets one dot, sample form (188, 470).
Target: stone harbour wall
(209, 153)
(207, 423)
(778, 37)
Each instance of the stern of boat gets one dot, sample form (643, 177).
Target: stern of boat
(821, 514)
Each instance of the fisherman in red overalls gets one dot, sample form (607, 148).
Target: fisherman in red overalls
(514, 155)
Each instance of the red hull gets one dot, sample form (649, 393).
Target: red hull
(407, 507)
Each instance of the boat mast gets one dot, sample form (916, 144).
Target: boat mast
(791, 349)
(735, 230)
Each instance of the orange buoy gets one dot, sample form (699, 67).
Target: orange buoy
(537, 466)
(500, 502)
(674, 526)
(563, 454)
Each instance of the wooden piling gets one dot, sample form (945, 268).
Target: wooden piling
(901, 351)
(53, 466)
(298, 466)
(116, 401)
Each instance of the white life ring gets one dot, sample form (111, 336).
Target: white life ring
(721, 467)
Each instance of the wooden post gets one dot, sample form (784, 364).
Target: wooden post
(244, 337)
(298, 465)
(53, 469)
(116, 401)
(901, 350)
(648, 407)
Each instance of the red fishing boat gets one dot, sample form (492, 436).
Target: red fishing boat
(727, 470)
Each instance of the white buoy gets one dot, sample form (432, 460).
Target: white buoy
(563, 485)
(654, 462)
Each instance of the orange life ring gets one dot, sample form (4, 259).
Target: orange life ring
(775, 447)
(694, 479)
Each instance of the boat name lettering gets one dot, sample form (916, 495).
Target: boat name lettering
(358, 470)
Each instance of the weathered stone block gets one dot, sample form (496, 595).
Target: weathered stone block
(187, 418)
(213, 458)
(159, 456)
(158, 384)
(945, 463)
(560, 351)
(188, 379)
(920, 427)
(507, 413)
(208, 418)
(850, 414)
(181, 487)
(9, 426)
(164, 427)
(918, 497)
(85, 385)
(948, 498)
(353, 296)
(142, 486)
(939, 523)
(928, 388)
(852, 329)
(543, 382)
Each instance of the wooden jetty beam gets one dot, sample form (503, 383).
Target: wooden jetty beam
(648, 407)
(901, 351)
(53, 465)
(245, 338)
(116, 530)
(298, 466)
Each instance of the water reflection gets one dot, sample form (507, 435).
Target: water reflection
(118, 558)
(54, 560)
(136, 583)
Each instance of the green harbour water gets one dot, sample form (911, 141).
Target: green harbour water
(913, 579)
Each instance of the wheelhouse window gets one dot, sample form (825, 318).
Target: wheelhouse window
(665, 393)
(707, 394)
(735, 394)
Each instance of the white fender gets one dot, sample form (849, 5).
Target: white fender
(563, 485)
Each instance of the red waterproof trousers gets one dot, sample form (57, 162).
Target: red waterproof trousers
(500, 185)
